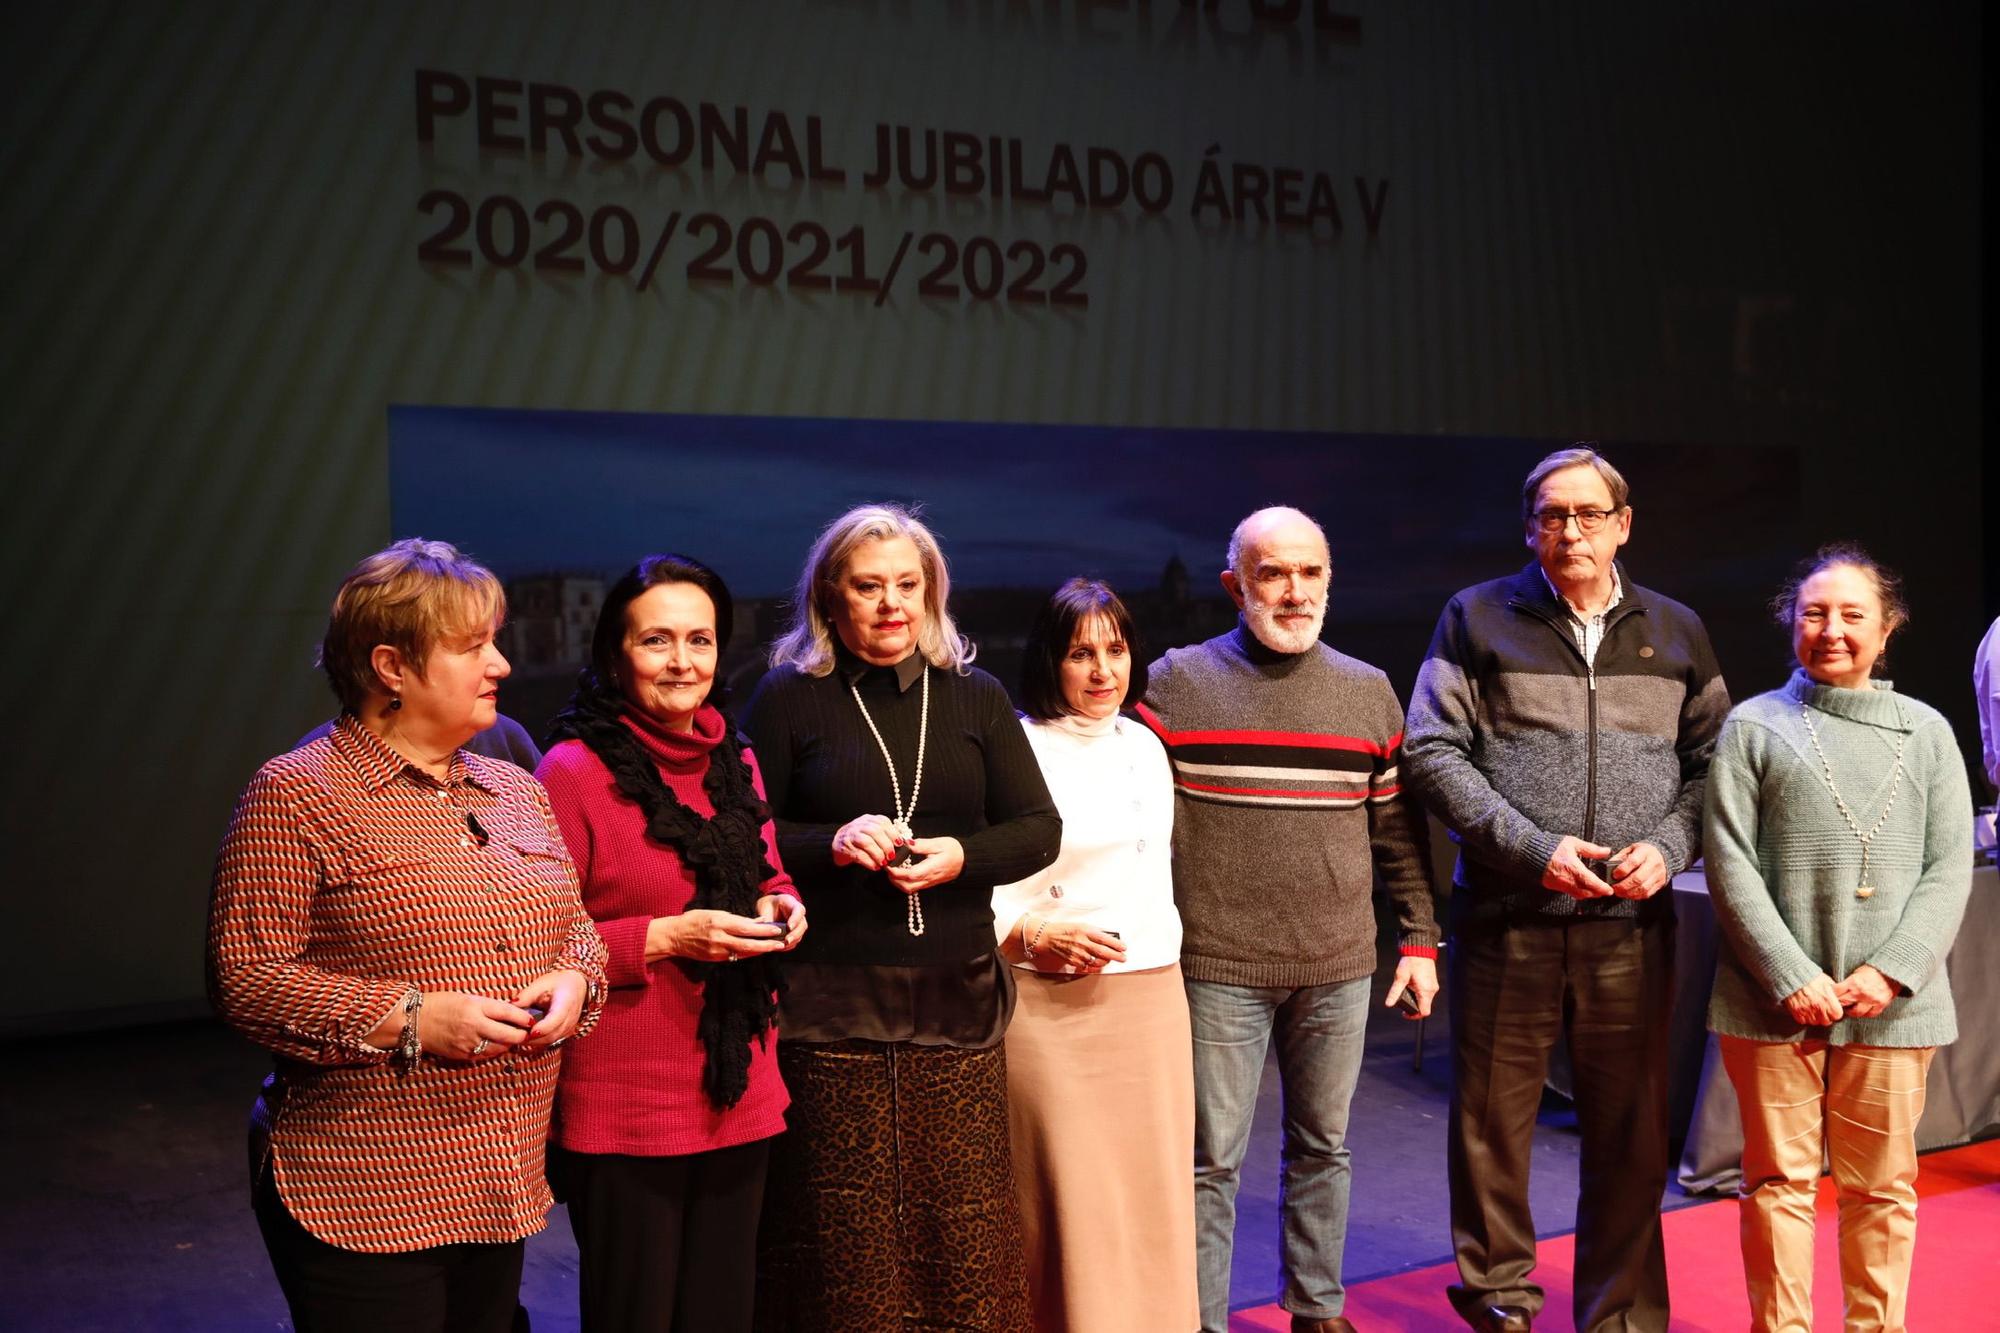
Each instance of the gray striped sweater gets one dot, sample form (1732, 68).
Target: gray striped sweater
(1287, 804)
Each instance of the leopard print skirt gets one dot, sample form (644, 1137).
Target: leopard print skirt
(890, 1205)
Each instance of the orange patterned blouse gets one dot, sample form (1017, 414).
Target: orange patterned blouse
(348, 878)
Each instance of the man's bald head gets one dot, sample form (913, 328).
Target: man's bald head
(1278, 573)
(1269, 525)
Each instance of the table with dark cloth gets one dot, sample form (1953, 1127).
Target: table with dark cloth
(1962, 1099)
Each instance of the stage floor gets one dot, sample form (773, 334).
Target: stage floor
(1954, 1284)
(1397, 1219)
(125, 1199)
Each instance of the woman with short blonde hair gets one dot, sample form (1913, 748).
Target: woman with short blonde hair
(409, 596)
(396, 919)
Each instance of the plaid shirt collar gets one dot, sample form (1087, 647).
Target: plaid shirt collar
(1589, 630)
(1617, 595)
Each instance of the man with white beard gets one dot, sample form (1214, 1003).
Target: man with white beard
(1287, 804)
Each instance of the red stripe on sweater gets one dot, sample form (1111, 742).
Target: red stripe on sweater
(1298, 792)
(1301, 739)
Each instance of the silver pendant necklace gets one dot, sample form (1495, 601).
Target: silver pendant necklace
(1864, 889)
(914, 911)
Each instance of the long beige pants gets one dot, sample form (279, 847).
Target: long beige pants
(1862, 1103)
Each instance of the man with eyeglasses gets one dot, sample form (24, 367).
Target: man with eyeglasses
(1561, 727)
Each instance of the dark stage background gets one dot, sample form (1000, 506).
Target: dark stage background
(286, 281)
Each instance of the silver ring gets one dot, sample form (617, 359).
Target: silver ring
(479, 1047)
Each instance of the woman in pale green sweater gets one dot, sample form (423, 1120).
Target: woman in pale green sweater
(1838, 831)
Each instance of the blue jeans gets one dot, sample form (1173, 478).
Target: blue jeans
(1320, 1031)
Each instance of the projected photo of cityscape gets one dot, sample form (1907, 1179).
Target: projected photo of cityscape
(559, 503)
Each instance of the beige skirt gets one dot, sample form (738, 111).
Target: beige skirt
(1100, 1086)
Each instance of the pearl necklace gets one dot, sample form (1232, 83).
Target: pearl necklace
(914, 912)
(1864, 889)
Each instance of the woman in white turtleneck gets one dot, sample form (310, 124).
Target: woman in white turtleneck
(1099, 1077)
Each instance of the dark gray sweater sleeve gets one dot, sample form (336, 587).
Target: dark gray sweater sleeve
(1399, 839)
(1437, 758)
(1704, 706)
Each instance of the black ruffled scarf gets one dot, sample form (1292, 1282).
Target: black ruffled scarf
(724, 854)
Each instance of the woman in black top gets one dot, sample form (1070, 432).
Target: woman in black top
(904, 791)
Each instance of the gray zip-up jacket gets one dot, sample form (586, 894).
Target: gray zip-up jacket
(1515, 741)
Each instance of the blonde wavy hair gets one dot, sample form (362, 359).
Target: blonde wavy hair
(808, 642)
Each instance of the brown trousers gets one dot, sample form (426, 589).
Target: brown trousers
(1859, 1106)
(1513, 988)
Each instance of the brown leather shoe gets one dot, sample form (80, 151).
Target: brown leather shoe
(1503, 1319)
(1337, 1324)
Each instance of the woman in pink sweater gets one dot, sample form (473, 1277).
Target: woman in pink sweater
(664, 1117)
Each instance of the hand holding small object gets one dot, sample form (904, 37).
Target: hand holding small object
(787, 914)
(1567, 872)
(1414, 987)
(553, 1004)
(868, 841)
(932, 861)
(1638, 870)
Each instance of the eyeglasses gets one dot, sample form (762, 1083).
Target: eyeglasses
(1587, 520)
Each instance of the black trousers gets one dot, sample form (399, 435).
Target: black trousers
(665, 1243)
(444, 1289)
(1513, 988)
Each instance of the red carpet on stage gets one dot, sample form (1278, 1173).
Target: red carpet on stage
(1956, 1284)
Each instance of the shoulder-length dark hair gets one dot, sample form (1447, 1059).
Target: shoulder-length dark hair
(607, 641)
(1075, 603)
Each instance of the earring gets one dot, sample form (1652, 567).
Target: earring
(396, 704)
